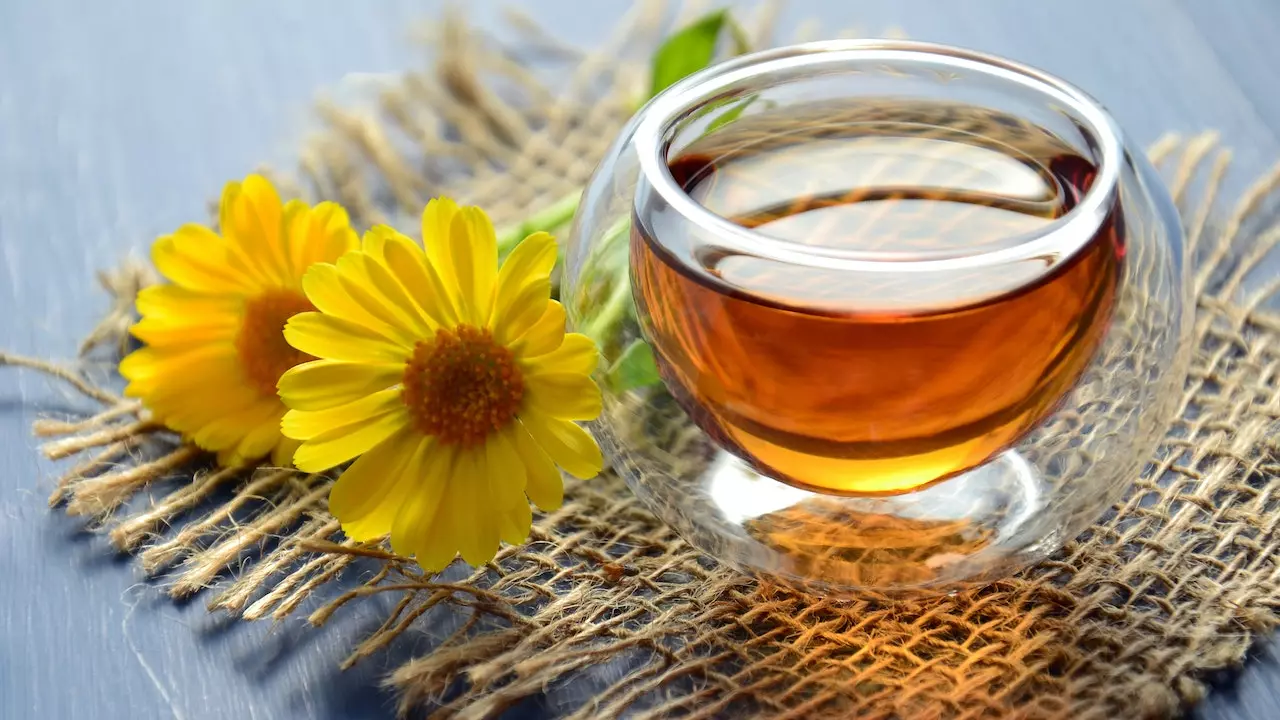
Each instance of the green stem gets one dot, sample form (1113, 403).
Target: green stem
(614, 307)
(616, 232)
(547, 219)
(617, 304)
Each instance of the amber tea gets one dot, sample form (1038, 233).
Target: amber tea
(887, 380)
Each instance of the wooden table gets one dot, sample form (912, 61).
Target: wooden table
(118, 121)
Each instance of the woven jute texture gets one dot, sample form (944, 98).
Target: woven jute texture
(1178, 580)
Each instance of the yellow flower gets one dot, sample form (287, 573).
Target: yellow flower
(453, 382)
(214, 338)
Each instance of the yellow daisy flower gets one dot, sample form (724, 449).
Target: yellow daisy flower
(453, 382)
(214, 338)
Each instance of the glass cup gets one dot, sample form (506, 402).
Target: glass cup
(878, 314)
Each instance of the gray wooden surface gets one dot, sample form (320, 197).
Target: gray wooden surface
(119, 120)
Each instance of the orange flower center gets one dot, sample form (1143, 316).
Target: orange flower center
(461, 386)
(264, 354)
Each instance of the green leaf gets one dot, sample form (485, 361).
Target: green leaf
(634, 369)
(686, 52)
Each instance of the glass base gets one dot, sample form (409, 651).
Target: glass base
(974, 527)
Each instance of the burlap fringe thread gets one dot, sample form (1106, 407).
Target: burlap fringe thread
(1126, 620)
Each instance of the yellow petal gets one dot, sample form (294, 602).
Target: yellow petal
(301, 235)
(164, 332)
(374, 240)
(532, 259)
(178, 305)
(514, 524)
(506, 473)
(369, 493)
(237, 257)
(527, 308)
(251, 217)
(325, 288)
(571, 447)
(328, 383)
(227, 458)
(249, 432)
(424, 526)
(237, 261)
(419, 514)
(202, 388)
(477, 527)
(406, 260)
(251, 209)
(304, 424)
(199, 267)
(529, 263)
(259, 441)
(437, 224)
(282, 454)
(315, 235)
(436, 551)
(332, 338)
(577, 354)
(340, 239)
(356, 272)
(217, 435)
(151, 370)
(341, 444)
(146, 363)
(568, 396)
(190, 408)
(507, 478)
(544, 486)
(473, 250)
(546, 335)
(387, 289)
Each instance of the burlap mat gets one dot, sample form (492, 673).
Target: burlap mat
(1177, 581)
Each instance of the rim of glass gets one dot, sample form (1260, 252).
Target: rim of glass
(1058, 240)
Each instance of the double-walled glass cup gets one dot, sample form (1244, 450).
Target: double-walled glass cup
(878, 314)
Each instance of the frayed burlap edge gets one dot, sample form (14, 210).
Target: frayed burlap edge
(1127, 619)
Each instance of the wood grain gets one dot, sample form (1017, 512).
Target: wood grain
(118, 121)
